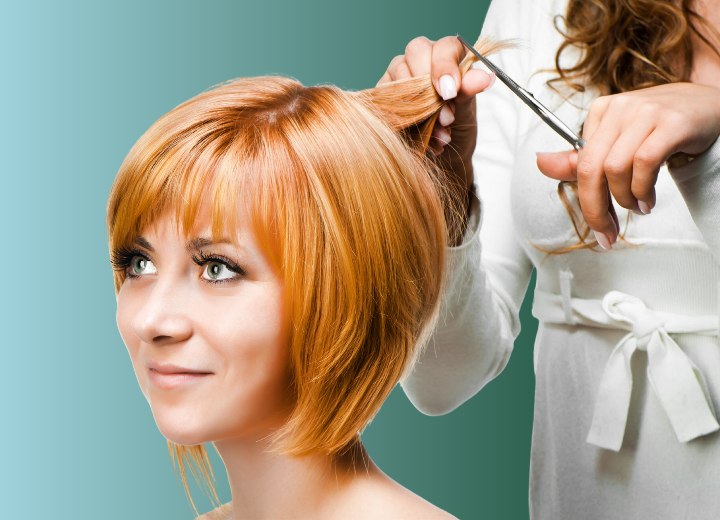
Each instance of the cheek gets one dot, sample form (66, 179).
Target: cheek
(255, 347)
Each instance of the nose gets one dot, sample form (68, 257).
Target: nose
(163, 317)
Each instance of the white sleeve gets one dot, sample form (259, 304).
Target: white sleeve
(487, 275)
(699, 184)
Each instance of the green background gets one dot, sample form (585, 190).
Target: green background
(79, 83)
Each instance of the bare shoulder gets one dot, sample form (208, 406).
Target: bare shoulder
(381, 497)
(224, 512)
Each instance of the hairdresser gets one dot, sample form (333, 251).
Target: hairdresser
(624, 235)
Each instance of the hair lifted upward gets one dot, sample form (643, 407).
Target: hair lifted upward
(345, 210)
(344, 205)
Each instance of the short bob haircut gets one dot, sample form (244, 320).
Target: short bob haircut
(346, 208)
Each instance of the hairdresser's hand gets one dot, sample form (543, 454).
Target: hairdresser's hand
(456, 122)
(628, 138)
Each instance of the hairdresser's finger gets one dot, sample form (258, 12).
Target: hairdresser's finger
(390, 72)
(618, 164)
(385, 79)
(597, 210)
(599, 137)
(446, 117)
(596, 112)
(445, 73)
(473, 82)
(441, 136)
(402, 71)
(398, 68)
(646, 165)
(558, 165)
(594, 199)
(438, 140)
(418, 54)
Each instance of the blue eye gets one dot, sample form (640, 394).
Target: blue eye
(217, 271)
(131, 262)
(215, 268)
(140, 265)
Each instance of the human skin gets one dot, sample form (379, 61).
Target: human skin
(629, 136)
(456, 122)
(172, 311)
(232, 325)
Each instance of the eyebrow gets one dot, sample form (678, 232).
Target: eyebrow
(198, 243)
(142, 242)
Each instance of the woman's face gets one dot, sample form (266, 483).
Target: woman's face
(207, 334)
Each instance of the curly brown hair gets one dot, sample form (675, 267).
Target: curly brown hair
(626, 45)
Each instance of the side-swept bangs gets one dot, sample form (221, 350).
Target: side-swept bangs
(348, 212)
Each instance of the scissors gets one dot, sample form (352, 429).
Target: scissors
(526, 96)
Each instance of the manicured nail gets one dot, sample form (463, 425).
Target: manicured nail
(446, 117)
(644, 207)
(443, 135)
(492, 80)
(448, 88)
(603, 240)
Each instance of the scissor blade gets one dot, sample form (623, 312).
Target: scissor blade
(490, 65)
(541, 110)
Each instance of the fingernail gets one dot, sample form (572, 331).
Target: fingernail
(492, 80)
(443, 135)
(448, 88)
(603, 240)
(446, 117)
(644, 207)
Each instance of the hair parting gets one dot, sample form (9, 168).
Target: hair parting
(317, 170)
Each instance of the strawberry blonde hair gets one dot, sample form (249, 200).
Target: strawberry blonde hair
(347, 209)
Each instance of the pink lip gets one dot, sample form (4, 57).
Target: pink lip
(172, 376)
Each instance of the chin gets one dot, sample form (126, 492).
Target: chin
(183, 436)
(182, 430)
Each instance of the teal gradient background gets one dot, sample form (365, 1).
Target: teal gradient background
(81, 81)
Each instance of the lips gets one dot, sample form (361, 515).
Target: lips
(168, 376)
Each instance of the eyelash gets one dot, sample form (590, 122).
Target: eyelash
(202, 259)
(121, 260)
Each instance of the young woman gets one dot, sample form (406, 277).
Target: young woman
(627, 357)
(278, 252)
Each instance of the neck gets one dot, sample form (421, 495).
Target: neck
(271, 485)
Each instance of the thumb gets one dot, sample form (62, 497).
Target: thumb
(473, 82)
(558, 165)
